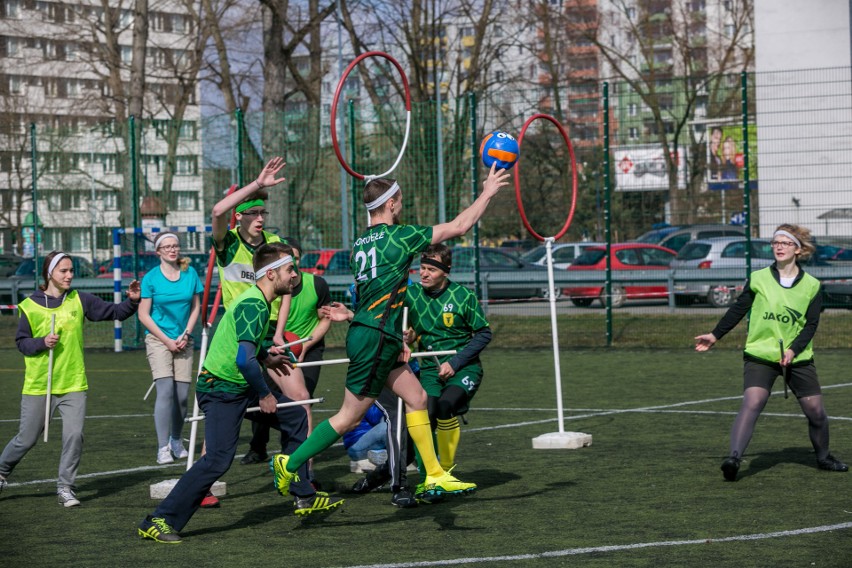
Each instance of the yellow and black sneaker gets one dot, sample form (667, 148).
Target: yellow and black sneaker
(427, 494)
(318, 502)
(156, 528)
(282, 477)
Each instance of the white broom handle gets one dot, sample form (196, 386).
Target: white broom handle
(193, 431)
(49, 379)
(399, 405)
(416, 355)
(279, 405)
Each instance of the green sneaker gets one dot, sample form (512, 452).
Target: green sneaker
(157, 529)
(446, 484)
(427, 494)
(319, 502)
(282, 476)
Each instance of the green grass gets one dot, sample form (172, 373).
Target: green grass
(651, 476)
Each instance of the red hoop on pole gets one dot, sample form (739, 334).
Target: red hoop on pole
(337, 91)
(573, 176)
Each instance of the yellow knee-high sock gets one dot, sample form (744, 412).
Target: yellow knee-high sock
(449, 433)
(421, 433)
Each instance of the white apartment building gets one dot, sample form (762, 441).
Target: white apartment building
(60, 66)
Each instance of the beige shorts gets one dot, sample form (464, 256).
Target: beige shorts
(164, 363)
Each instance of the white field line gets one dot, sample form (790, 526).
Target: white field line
(590, 413)
(612, 548)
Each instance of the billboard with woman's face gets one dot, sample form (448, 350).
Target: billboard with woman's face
(725, 156)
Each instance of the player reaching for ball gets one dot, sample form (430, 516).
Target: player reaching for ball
(446, 316)
(380, 260)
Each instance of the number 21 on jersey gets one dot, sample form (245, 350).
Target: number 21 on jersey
(362, 258)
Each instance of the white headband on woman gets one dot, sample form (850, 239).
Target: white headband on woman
(273, 265)
(789, 235)
(54, 261)
(164, 236)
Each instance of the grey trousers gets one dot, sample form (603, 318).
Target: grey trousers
(72, 409)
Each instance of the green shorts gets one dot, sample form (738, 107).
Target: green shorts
(468, 378)
(372, 356)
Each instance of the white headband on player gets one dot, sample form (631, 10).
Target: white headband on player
(380, 200)
(164, 236)
(54, 261)
(788, 235)
(273, 265)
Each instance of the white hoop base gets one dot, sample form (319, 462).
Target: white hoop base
(562, 441)
(162, 489)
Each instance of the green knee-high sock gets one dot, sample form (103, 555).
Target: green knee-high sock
(449, 433)
(321, 438)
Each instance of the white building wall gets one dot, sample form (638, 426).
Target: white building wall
(804, 113)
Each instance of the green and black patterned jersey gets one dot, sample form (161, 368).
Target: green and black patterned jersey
(380, 261)
(444, 322)
(247, 320)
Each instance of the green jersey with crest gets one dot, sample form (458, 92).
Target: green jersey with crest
(380, 261)
(446, 321)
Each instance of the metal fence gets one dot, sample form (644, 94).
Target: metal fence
(752, 149)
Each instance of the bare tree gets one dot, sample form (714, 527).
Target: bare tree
(650, 45)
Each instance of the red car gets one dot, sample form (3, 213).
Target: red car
(334, 261)
(626, 256)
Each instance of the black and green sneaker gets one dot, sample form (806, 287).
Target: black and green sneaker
(156, 528)
(318, 502)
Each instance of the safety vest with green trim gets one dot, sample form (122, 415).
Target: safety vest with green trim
(238, 275)
(303, 316)
(69, 370)
(221, 359)
(778, 313)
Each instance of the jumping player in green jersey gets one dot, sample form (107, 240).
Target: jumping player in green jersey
(783, 303)
(231, 380)
(380, 261)
(446, 316)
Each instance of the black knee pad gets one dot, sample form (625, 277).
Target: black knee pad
(453, 402)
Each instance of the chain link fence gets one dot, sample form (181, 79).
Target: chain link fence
(740, 154)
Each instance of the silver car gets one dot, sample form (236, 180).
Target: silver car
(716, 253)
(563, 253)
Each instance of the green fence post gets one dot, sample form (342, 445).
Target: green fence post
(607, 214)
(34, 168)
(474, 191)
(238, 114)
(746, 173)
(353, 182)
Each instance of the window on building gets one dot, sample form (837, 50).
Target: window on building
(184, 201)
(633, 133)
(12, 9)
(125, 20)
(730, 30)
(53, 239)
(81, 240)
(13, 46)
(632, 109)
(109, 200)
(126, 54)
(54, 200)
(186, 165)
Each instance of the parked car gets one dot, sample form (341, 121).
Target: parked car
(82, 268)
(518, 246)
(657, 234)
(676, 239)
(8, 264)
(495, 260)
(720, 252)
(626, 256)
(837, 294)
(563, 254)
(333, 261)
(148, 260)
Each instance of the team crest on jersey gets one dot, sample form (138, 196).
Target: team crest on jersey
(448, 319)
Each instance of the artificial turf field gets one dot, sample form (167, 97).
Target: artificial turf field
(648, 492)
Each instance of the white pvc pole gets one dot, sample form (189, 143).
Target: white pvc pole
(399, 398)
(49, 379)
(548, 245)
(149, 390)
(417, 355)
(193, 431)
(195, 419)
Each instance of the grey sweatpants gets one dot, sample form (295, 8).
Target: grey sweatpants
(72, 409)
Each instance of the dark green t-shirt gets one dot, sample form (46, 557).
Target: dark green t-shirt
(380, 261)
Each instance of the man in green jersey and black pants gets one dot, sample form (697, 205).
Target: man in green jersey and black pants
(381, 257)
(231, 380)
(446, 316)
